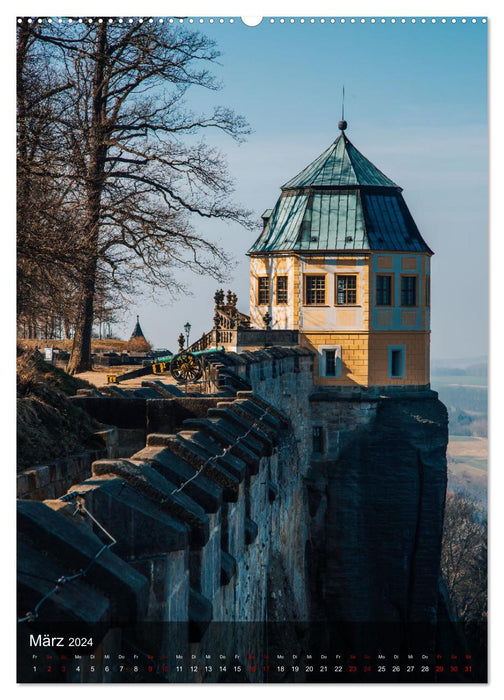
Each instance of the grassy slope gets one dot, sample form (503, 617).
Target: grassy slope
(48, 424)
(111, 345)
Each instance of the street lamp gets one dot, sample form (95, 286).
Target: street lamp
(187, 329)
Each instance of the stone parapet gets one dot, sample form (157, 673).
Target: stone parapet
(198, 514)
(54, 479)
(227, 513)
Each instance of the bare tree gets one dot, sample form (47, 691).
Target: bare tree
(129, 149)
(107, 305)
(464, 558)
(49, 242)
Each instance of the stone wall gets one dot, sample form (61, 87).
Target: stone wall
(209, 522)
(226, 516)
(377, 500)
(54, 479)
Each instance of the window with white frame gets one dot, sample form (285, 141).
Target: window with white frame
(330, 361)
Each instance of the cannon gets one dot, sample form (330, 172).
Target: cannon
(184, 367)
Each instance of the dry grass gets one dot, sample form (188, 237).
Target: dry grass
(112, 345)
(139, 345)
(49, 426)
(472, 447)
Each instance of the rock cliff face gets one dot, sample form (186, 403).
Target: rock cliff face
(378, 526)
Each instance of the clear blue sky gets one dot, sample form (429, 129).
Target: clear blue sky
(416, 106)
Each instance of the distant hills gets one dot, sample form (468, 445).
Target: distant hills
(462, 385)
(458, 361)
(478, 369)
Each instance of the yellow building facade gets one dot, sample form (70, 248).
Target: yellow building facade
(341, 260)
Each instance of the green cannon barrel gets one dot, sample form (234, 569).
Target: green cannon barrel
(157, 366)
(169, 358)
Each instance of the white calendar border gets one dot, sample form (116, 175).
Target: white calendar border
(316, 8)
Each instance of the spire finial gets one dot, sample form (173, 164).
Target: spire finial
(342, 125)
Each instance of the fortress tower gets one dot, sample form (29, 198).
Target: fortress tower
(341, 260)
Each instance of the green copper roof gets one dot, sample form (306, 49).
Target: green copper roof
(341, 201)
(341, 164)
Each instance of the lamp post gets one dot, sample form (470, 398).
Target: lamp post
(187, 329)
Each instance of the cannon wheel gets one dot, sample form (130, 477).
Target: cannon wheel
(186, 367)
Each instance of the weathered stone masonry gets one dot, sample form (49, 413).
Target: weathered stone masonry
(381, 487)
(268, 529)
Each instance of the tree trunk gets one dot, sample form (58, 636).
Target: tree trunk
(80, 360)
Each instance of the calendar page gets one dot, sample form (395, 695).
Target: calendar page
(252, 322)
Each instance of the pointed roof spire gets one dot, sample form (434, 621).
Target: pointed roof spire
(342, 125)
(137, 331)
